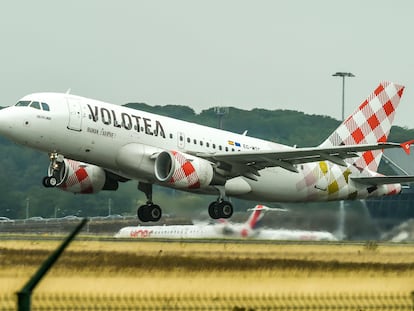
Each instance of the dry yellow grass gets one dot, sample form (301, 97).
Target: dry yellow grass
(177, 267)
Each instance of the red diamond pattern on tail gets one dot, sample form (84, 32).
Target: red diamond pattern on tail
(389, 108)
(358, 135)
(368, 157)
(373, 121)
(378, 90)
(369, 124)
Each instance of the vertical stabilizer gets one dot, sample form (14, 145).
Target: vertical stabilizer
(369, 124)
(255, 216)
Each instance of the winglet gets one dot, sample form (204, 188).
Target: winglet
(406, 146)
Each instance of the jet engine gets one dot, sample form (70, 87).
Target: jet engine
(183, 171)
(78, 177)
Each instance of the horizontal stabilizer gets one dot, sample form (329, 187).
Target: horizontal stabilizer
(267, 209)
(383, 180)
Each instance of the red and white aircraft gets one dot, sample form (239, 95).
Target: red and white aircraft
(224, 229)
(94, 145)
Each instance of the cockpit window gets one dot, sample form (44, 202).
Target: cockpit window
(45, 107)
(23, 103)
(35, 105)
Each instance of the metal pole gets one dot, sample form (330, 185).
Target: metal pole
(24, 296)
(343, 75)
(341, 224)
(341, 229)
(27, 207)
(343, 98)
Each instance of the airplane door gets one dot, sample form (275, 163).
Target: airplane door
(180, 140)
(75, 114)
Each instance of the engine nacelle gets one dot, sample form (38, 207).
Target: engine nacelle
(79, 177)
(183, 171)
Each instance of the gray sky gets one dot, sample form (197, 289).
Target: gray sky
(247, 54)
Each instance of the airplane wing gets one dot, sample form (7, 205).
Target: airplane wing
(384, 180)
(248, 164)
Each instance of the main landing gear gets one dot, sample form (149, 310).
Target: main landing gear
(220, 209)
(148, 211)
(152, 212)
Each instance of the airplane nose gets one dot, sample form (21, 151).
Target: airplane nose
(6, 121)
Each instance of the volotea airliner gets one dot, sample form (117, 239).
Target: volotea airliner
(93, 146)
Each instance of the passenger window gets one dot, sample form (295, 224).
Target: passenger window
(45, 107)
(23, 103)
(188, 140)
(35, 105)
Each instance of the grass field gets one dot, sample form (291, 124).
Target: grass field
(179, 267)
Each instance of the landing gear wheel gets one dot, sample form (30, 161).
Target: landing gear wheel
(142, 213)
(149, 212)
(213, 210)
(45, 182)
(226, 209)
(52, 181)
(49, 182)
(222, 209)
(155, 212)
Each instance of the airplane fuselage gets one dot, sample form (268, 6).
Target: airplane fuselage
(116, 138)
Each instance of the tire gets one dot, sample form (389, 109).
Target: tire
(52, 181)
(142, 213)
(45, 182)
(226, 209)
(214, 210)
(155, 212)
(49, 182)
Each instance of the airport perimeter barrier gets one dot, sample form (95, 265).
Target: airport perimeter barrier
(209, 301)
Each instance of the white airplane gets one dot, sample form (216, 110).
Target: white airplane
(94, 145)
(223, 229)
(251, 229)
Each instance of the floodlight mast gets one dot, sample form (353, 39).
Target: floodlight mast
(341, 225)
(343, 75)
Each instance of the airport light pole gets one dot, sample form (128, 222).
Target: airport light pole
(27, 207)
(343, 75)
(221, 112)
(341, 225)
(109, 206)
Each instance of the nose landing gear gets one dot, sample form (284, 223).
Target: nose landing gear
(56, 172)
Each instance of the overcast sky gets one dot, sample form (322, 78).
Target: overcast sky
(247, 54)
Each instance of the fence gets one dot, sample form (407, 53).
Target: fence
(221, 301)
